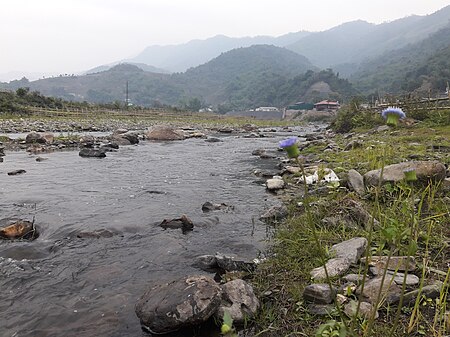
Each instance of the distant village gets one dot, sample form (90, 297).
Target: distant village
(325, 108)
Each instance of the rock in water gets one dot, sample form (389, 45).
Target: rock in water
(16, 172)
(164, 133)
(182, 303)
(183, 222)
(21, 229)
(92, 153)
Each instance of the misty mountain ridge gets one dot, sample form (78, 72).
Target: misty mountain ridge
(243, 77)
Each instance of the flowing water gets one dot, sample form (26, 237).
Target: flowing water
(61, 285)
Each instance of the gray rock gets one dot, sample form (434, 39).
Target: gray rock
(320, 309)
(164, 133)
(224, 263)
(91, 153)
(372, 288)
(258, 152)
(274, 213)
(319, 293)
(206, 262)
(274, 184)
(182, 303)
(365, 310)
(239, 300)
(234, 263)
(411, 279)
(354, 278)
(131, 136)
(351, 249)
(209, 206)
(334, 267)
(430, 291)
(425, 170)
(356, 182)
(101, 233)
(182, 222)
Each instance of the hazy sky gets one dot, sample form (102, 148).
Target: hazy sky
(68, 36)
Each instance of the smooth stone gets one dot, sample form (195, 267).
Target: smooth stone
(335, 267)
(372, 288)
(274, 213)
(356, 182)
(275, 184)
(20, 229)
(320, 309)
(430, 291)
(425, 170)
(411, 279)
(319, 293)
(354, 278)
(164, 133)
(351, 249)
(365, 310)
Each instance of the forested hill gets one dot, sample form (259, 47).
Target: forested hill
(244, 76)
(241, 78)
(418, 67)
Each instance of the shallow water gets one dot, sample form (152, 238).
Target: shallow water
(60, 285)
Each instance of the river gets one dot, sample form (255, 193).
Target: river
(61, 285)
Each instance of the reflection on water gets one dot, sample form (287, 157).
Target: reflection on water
(60, 285)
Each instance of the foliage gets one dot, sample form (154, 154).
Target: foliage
(417, 67)
(243, 78)
(352, 116)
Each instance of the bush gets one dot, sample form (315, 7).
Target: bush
(352, 116)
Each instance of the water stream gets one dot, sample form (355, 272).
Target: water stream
(61, 285)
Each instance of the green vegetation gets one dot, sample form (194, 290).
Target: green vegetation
(250, 77)
(414, 220)
(419, 67)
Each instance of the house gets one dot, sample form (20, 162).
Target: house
(327, 105)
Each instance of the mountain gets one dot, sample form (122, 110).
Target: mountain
(142, 66)
(345, 46)
(419, 67)
(260, 75)
(237, 74)
(179, 58)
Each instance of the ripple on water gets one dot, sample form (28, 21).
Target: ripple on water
(88, 287)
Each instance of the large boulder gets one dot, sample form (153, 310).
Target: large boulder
(180, 304)
(425, 170)
(164, 133)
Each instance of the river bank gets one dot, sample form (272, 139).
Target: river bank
(341, 225)
(239, 159)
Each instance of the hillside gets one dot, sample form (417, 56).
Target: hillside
(179, 58)
(244, 76)
(241, 78)
(417, 67)
(345, 46)
(142, 66)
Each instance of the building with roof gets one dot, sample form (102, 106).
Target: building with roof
(327, 105)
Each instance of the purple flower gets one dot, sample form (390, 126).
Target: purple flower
(288, 142)
(290, 145)
(392, 115)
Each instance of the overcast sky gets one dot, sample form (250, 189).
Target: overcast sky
(69, 36)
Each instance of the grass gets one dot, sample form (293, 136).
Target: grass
(413, 220)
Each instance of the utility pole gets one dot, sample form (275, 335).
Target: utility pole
(126, 99)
